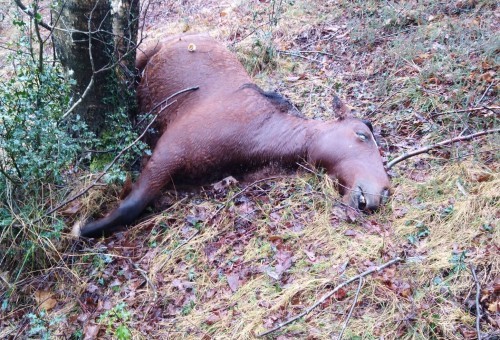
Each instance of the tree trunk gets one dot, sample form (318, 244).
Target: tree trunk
(95, 41)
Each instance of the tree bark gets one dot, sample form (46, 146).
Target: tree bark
(95, 41)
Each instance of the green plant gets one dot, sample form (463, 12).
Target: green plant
(34, 143)
(41, 147)
(458, 261)
(262, 51)
(115, 321)
(40, 324)
(422, 231)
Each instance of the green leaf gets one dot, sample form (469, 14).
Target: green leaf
(123, 333)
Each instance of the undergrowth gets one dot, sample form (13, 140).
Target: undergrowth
(43, 149)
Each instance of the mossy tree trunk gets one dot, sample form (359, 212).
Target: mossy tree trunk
(95, 41)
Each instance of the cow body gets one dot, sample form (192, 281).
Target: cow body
(229, 124)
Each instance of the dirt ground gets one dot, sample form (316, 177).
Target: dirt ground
(237, 261)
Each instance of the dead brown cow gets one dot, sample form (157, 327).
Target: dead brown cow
(230, 123)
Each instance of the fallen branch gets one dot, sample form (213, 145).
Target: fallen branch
(438, 145)
(466, 110)
(330, 293)
(361, 281)
(146, 278)
(294, 54)
(478, 305)
(167, 104)
(485, 92)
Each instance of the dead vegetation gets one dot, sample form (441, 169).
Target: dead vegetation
(236, 261)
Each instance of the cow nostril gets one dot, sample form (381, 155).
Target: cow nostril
(361, 201)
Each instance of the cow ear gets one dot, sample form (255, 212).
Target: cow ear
(340, 110)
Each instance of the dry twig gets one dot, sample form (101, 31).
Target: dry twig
(330, 293)
(490, 108)
(438, 145)
(361, 281)
(478, 305)
(32, 15)
(485, 92)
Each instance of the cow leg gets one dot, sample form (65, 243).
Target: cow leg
(162, 165)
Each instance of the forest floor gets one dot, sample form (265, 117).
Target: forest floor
(233, 262)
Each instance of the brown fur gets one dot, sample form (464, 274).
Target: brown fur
(228, 125)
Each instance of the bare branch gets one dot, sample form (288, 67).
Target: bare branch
(330, 293)
(479, 108)
(485, 92)
(478, 305)
(32, 15)
(82, 97)
(438, 145)
(361, 281)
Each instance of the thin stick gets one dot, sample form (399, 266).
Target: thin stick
(294, 54)
(307, 51)
(361, 281)
(82, 97)
(478, 306)
(120, 153)
(240, 192)
(485, 92)
(438, 145)
(145, 276)
(23, 8)
(467, 110)
(382, 104)
(330, 293)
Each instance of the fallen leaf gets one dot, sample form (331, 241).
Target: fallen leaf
(292, 78)
(90, 331)
(350, 232)
(45, 300)
(72, 208)
(340, 294)
(233, 281)
(226, 182)
(212, 318)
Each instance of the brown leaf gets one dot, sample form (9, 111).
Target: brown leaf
(468, 333)
(434, 80)
(487, 76)
(233, 281)
(340, 294)
(494, 307)
(72, 208)
(350, 232)
(45, 300)
(292, 78)
(90, 331)
(284, 261)
(212, 318)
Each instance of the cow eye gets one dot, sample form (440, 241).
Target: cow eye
(362, 136)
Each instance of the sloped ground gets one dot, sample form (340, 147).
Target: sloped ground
(235, 262)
